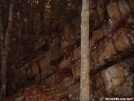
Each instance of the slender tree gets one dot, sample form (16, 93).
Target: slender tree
(5, 41)
(84, 78)
(42, 12)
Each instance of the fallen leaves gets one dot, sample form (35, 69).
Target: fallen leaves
(38, 93)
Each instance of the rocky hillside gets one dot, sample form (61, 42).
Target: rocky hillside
(55, 59)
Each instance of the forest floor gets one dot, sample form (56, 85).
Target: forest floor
(39, 93)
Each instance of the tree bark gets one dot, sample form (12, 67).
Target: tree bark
(84, 77)
(4, 51)
(42, 20)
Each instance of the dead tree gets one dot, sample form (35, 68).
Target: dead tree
(5, 41)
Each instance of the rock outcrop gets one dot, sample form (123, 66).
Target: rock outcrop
(56, 56)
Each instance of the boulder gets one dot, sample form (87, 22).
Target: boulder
(35, 68)
(114, 15)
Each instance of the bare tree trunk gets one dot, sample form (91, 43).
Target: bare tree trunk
(2, 43)
(84, 78)
(4, 51)
(42, 20)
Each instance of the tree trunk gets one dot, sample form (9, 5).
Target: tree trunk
(42, 20)
(84, 78)
(4, 51)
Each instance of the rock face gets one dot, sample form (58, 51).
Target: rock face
(56, 57)
(118, 79)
